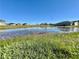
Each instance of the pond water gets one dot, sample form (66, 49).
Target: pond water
(25, 31)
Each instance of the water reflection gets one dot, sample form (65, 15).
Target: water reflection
(68, 29)
(25, 31)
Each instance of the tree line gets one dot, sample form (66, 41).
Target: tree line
(63, 23)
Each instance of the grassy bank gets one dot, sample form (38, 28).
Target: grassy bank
(21, 26)
(14, 26)
(42, 46)
(28, 26)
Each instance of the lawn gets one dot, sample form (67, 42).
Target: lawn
(41, 46)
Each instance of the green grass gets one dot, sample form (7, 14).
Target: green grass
(14, 26)
(43, 46)
(21, 26)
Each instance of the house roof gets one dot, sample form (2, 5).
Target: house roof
(2, 20)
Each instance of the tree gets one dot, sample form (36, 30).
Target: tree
(51, 24)
(24, 23)
(43, 24)
(64, 23)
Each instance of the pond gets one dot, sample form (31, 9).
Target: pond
(25, 31)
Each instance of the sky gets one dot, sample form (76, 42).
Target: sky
(39, 11)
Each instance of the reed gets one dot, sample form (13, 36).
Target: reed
(41, 46)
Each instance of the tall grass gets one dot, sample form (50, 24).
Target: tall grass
(43, 46)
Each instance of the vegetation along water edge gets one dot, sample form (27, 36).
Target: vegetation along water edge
(41, 46)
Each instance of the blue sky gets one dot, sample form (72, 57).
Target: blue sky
(37, 11)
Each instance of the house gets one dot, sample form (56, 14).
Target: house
(75, 23)
(18, 24)
(2, 23)
(68, 23)
(24, 24)
(13, 24)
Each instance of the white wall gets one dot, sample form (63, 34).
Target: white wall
(1, 23)
(76, 23)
